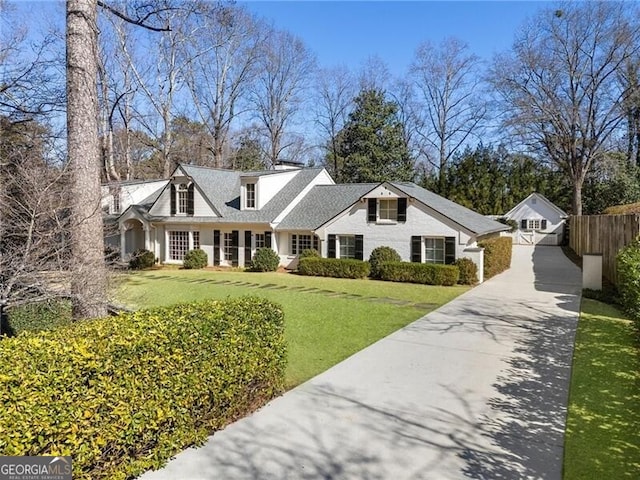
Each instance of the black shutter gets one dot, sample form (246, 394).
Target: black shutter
(402, 209)
(543, 224)
(190, 199)
(416, 249)
(372, 210)
(216, 247)
(331, 247)
(316, 243)
(359, 247)
(267, 239)
(523, 224)
(247, 247)
(235, 241)
(449, 250)
(173, 199)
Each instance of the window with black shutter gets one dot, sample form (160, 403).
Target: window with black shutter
(216, 247)
(543, 224)
(523, 224)
(235, 242)
(267, 239)
(331, 247)
(402, 210)
(416, 249)
(372, 208)
(190, 200)
(247, 247)
(449, 250)
(359, 250)
(173, 199)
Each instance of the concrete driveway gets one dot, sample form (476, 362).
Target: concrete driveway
(476, 389)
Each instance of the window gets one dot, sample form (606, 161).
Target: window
(251, 195)
(533, 225)
(182, 197)
(227, 246)
(178, 245)
(433, 250)
(300, 243)
(196, 239)
(388, 209)
(260, 242)
(347, 246)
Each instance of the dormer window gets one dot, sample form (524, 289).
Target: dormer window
(388, 209)
(182, 198)
(250, 200)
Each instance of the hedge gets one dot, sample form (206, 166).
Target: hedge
(123, 394)
(333, 267)
(468, 271)
(37, 316)
(427, 273)
(628, 275)
(380, 255)
(497, 255)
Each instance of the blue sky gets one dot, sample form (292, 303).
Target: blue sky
(348, 32)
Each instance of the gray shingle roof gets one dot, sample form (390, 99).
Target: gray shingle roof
(472, 221)
(323, 203)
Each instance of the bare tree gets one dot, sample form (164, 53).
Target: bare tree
(558, 85)
(447, 79)
(227, 49)
(284, 72)
(629, 78)
(335, 92)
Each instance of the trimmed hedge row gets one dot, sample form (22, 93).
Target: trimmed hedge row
(123, 394)
(468, 271)
(426, 273)
(333, 267)
(628, 276)
(497, 255)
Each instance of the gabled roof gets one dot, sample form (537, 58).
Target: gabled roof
(325, 202)
(470, 220)
(542, 198)
(221, 188)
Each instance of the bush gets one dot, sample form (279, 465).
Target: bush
(309, 253)
(468, 271)
(497, 255)
(142, 259)
(380, 255)
(426, 273)
(35, 317)
(195, 259)
(122, 395)
(265, 260)
(510, 222)
(111, 254)
(628, 274)
(333, 267)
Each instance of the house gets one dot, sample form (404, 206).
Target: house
(540, 222)
(229, 214)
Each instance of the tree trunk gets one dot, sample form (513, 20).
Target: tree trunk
(576, 201)
(88, 274)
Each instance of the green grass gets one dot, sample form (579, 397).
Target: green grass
(323, 326)
(603, 424)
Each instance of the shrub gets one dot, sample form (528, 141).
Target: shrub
(38, 316)
(333, 267)
(628, 275)
(309, 253)
(426, 273)
(123, 394)
(142, 259)
(194, 259)
(497, 255)
(265, 260)
(380, 255)
(510, 222)
(468, 271)
(111, 254)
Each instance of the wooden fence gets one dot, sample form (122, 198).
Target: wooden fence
(603, 234)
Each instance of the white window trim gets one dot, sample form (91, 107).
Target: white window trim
(424, 249)
(532, 222)
(339, 245)
(386, 221)
(178, 192)
(190, 246)
(246, 196)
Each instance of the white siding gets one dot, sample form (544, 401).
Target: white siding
(268, 186)
(201, 208)
(322, 178)
(130, 194)
(536, 208)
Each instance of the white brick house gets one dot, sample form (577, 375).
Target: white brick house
(229, 214)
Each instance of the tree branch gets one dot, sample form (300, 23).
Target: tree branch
(139, 23)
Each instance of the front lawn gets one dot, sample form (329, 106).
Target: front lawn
(603, 424)
(327, 319)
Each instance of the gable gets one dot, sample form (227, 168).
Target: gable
(536, 206)
(201, 205)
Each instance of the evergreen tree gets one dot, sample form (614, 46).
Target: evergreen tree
(372, 143)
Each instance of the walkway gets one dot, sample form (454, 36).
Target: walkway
(476, 389)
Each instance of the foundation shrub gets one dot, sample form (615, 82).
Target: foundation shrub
(380, 255)
(123, 394)
(195, 259)
(468, 271)
(426, 273)
(333, 267)
(497, 255)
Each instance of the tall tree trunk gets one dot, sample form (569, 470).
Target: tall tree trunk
(576, 201)
(88, 282)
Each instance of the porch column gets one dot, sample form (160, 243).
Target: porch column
(123, 242)
(147, 241)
